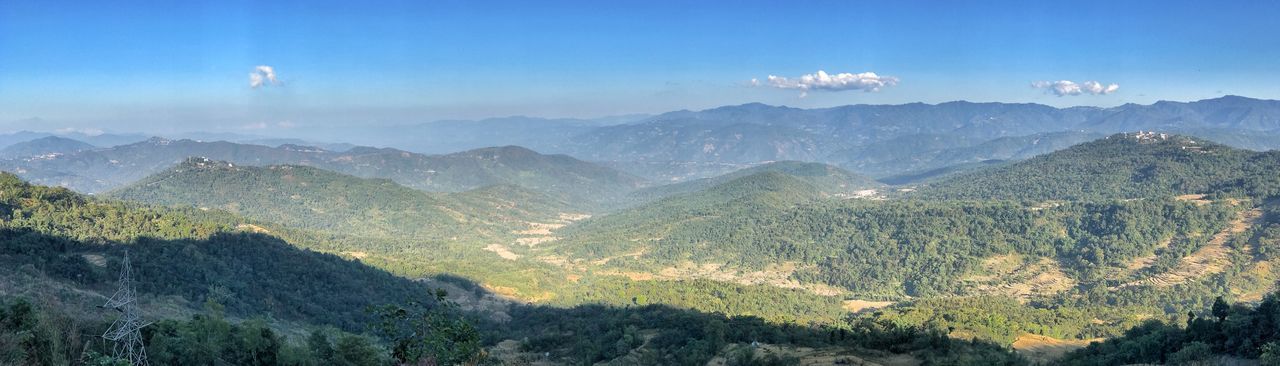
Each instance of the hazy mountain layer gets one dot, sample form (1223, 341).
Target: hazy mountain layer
(43, 146)
(558, 175)
(754, 133)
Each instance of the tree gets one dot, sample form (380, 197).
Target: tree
(355, 350)
(318, 344)
(1191, 352)
(93, 358)
(1220, 308)
(1270, 354)
(431, 334)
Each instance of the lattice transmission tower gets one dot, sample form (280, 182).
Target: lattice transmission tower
(125, 331)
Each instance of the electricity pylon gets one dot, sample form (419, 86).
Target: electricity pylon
(124, 332)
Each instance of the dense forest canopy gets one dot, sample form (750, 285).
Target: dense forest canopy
(894, 248)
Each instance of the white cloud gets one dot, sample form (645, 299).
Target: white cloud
(263, 75)
(255, 126)
(867, 82)
(1066, 87)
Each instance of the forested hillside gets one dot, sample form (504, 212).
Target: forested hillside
(1220, 334)
(316, 199)
(491, 234)
(1134, 165)
(558, 175)
(826, 179)
(64, 248)
(1057, 263)
(888, 249)
(59, 235)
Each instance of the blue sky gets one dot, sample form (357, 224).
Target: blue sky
(186, 65)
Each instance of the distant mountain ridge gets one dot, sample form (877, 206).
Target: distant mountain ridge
(868, 139)
(562, 176)
(44, 146)
(756, 132)
(880, 141)
(918, 153)
(99, 139)
(447, 136)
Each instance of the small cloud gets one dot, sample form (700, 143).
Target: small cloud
(1063, 88)
(866, 82)
(286, 124)
(263, 75)
(255, 126)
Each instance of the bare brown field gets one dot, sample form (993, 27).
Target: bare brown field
(1044, 349)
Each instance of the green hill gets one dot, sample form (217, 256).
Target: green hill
(829, 180)
(64, 237)
(894, 248)
(559, 174)
(935, 247)
(1120, 166)
(316, 199)
(743, 196)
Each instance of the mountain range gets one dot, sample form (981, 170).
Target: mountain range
(1070, 243)
(99, 170)
(867, 139)
(880, 141)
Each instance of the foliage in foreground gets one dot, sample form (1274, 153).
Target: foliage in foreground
(33, 336)
(1224, 330)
